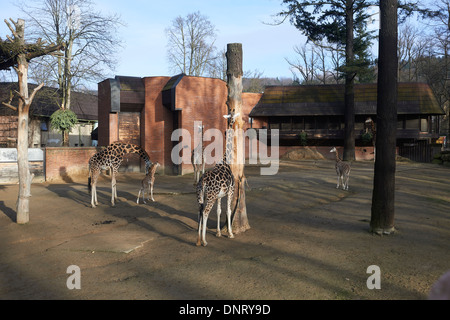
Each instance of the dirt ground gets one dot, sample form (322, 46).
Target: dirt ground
(308, 240)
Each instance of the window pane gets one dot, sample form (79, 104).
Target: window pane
(309, 123)
(297, 123)
(424, 125)
(412, 123)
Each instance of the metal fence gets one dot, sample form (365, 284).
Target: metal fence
(419, 151)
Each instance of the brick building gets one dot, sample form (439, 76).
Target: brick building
(146, 111)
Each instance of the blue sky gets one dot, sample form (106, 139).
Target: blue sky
(144, 54)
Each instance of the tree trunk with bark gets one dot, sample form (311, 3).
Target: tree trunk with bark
(349, 130)
(234, 102)
(383, 197)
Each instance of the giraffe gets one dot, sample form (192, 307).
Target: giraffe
(342, 170)
(198, 158)
(373, 129)
(213, 186)
(112, 157)
(147, 183)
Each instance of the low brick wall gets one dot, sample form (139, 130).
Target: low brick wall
(67, 164)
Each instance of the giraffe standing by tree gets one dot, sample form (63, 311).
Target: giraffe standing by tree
(213, 186)
(112, 157)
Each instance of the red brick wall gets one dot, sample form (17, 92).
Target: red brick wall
(68, 164)
(8, 129)
(201, 99)
(156, 123)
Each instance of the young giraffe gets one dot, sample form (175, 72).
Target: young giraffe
(147, 183)
(213, 186)
(342, 170)
(198, 158)
(111, 157)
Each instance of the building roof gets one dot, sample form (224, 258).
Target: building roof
(169, 92)
(315, 100)
(45, 102)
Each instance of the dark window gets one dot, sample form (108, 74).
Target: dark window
(309, 123)
(297, 123)
(335, 123)
(321, 123)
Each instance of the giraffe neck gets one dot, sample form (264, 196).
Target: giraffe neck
(337, 156)
(228, 155)
(132, 148)
(152, 169)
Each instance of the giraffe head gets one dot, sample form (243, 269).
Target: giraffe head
(153, 167)
(231, 118)
(148, 165)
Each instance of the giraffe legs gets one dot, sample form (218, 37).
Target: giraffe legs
(346, 182)
(229, 201)
(151, 191)
(141, 190)
(202, 222)
(113, 188)
(94, 177)
(219, 211)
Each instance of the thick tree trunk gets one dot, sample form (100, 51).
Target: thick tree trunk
(349, 116)
(234, 102)
(383, 198)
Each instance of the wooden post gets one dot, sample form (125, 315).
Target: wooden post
(234, 103)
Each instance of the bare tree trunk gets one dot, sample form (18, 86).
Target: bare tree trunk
(25, 176)
(383, 197)
(67, 85)
(349, 131)
(234, 102)
(21, 60)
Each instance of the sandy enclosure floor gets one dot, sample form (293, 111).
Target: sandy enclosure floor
(308, 240)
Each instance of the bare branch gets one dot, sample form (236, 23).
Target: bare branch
(13, 31)
(9, 106)
(30, 99)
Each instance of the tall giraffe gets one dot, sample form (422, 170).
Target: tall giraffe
(198, 157)
(112, 157)
(213, 186)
